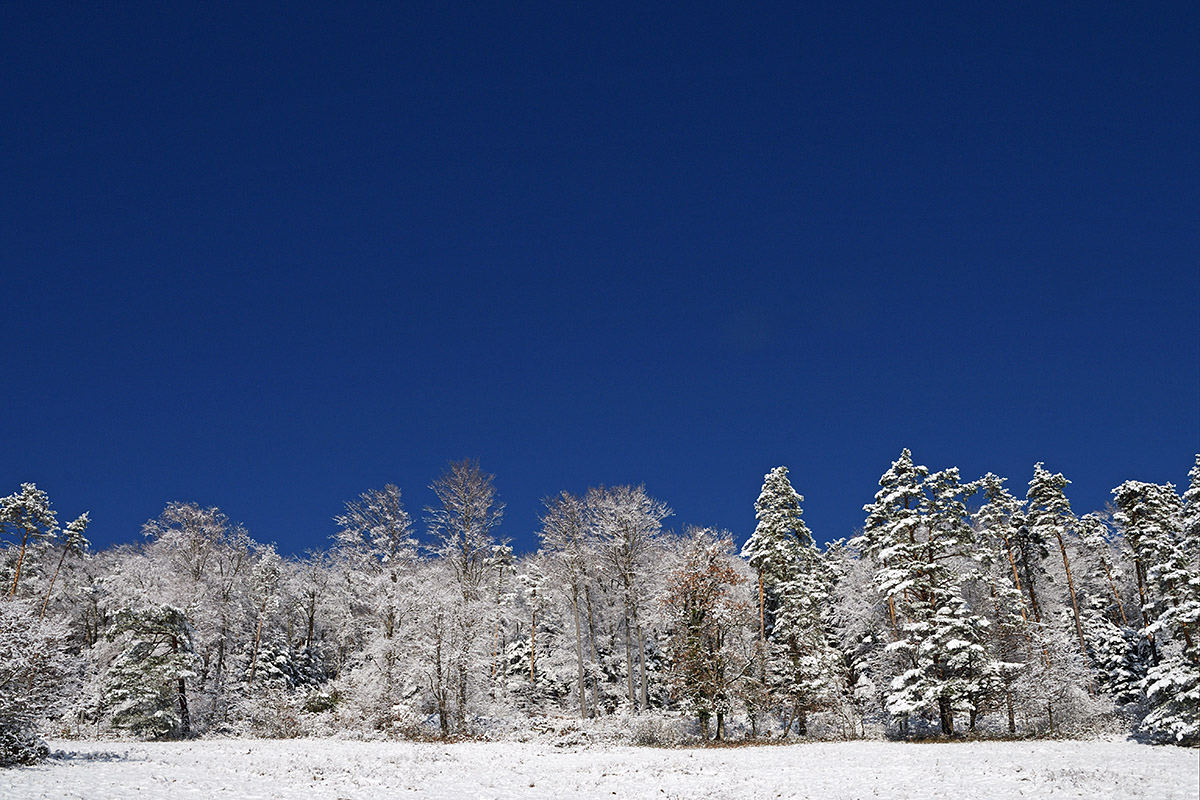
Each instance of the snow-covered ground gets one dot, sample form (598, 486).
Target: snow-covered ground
(319, 769)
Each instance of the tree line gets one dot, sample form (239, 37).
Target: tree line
(959, 608)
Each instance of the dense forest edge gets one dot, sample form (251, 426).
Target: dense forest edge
(958, 610)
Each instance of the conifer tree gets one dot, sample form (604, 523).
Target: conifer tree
(795, 656)
(1049, 516)
(914, 531)
(75, 544)
(1151, 516)
(1191, 516)
(26, 516)
(146, 687)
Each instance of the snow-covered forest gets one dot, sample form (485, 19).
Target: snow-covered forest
(961, 608)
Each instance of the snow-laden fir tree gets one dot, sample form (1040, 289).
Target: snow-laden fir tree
(1049, 518)
(35, 670)
(27, 519)
(1191, 516)
(915, 531)
(997, 590)
(147, 685)
(1151, 517)
(1119, 653)
(797, 663)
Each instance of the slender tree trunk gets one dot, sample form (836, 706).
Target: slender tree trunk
(629, 656)
(583, 712)
(1071, 586)
(53, 578)
(20, 560)
(587, 596)
(254, 652)
(185, 717)
(1012, 562)
(762, 619)
(1033, 601)
(642, 658)
(310, 622)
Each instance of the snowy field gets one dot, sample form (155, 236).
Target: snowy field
(319, 769)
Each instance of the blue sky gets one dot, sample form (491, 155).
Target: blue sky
(268, 256)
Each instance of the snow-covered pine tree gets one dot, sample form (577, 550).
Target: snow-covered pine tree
(780, 533)
(1151, 517)
(1119, 653)
(34, 666)
(25, 517)
(1049, 518)
(1191, 516)
(797, 661)
(146, 688)
(915, 531)
(74, 543)
(998, 590)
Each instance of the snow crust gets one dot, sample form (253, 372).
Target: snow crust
(350, 770)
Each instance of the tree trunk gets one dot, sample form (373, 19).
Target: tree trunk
(1012, 562)
(1071, 586)
(20, 560)
(629, 657)
(1116, 596)
(1033, 601)
(642, 657)
(185, 717)
(254, 652)
(53, 578)
(587, 596)
(583, 712)
(947, 716)
(762, 618)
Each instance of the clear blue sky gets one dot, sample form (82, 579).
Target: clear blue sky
(268, 256)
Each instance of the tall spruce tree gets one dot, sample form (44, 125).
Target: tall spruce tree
(1151, 516)
(797, 664)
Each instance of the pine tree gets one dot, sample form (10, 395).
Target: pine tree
(75, 544)
(26, 516)
(34, 668)
(146, 686)
(915, 530)
(1151, 517)
(1009, 642)
(1191, 516)
(774, 547)
(1049, 515)
(796, 660)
